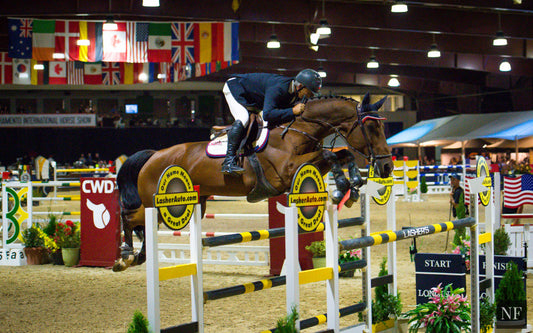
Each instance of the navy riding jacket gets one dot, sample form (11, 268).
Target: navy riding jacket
(267, 92)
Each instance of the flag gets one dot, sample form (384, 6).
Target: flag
(57, 72)
(39, 76)
(164, 72)
(114, 43)
(91, 31)
(137, 48)
(74, 72)
(6, 68)
(110, 73)
(159, 42)
(205, 42)
(231, 41)
(183, 42)
(92, 73)
(20, 32)
(517, 190)
(67, 34)
(21, 71)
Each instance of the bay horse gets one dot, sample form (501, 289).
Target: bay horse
(289, 146)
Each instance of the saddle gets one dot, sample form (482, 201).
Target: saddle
(254, 141)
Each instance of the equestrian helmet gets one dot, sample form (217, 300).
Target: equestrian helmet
(310, 79)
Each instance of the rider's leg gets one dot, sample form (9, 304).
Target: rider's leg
(235, 134)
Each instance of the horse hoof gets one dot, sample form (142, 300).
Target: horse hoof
(336, 196)
(348, 203)
(119, 266)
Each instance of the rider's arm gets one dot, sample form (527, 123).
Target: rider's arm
(271, 112)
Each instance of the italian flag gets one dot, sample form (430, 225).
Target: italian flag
(43, 40)
(159, 42)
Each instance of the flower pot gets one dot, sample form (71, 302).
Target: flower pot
(319, 262)
(383, 326)
(71, 256)
(57, 257)
(36, 255)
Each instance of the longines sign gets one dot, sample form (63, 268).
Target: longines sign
(48, 120)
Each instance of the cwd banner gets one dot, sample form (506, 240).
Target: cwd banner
(100, 222)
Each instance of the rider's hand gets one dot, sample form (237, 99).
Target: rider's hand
(298, 109)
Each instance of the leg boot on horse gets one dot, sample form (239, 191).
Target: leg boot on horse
(235, 134)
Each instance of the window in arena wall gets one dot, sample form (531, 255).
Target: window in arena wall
(80, 105)
(53, 105)
(26, 105)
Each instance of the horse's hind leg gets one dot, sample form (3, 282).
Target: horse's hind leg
(130, 219)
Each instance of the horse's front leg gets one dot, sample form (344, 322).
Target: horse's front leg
(127, 256)
(342, 183)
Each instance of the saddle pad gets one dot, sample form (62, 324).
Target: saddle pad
(217, 147)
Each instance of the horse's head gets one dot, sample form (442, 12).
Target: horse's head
(365, 134)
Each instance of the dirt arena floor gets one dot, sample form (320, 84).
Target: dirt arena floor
(50, 298)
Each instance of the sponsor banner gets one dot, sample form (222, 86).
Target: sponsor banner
(47, 120)
(433, 269)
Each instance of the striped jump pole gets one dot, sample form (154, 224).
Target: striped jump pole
(268, 283)
(249, 236)
(188, 233)
(393, 236)
(236, 216)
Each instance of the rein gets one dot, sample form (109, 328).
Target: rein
(359, 121)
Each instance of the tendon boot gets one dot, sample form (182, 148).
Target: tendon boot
(229, 166)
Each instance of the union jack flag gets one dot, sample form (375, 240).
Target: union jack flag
(110, 73)
(183, 50)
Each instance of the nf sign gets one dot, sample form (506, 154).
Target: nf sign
(98, 185)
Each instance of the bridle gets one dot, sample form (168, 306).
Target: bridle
(362, 116)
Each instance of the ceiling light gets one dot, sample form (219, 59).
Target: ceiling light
(322, 72)
(314, 47)
(143, 77)
(500, 39)
(433, 51)
(399, 7)
(38, 67)
(505, 66)
(58, 56)
(110, 25)
(313, 38)
(161, 76)
(273, 43)
(393, 82)
(372, 63)
(324, 28)
(150, 3)
(83, 42)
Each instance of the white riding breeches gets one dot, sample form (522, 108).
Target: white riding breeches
(238, 111)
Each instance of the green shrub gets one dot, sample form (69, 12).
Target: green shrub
(287, 324)
(139, 324)
(317, 249)
(511, 288)
(487, 314)
(501, 241)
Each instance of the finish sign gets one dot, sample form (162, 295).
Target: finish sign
(384, 193)
(308, 193)
(175, 197)
(482, 170)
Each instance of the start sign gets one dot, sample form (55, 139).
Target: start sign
(175, 197)
(308, 193)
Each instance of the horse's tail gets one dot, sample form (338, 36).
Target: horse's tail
(127, 179)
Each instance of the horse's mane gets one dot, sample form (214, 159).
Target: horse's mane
(325, 97)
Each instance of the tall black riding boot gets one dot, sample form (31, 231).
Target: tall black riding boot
(229, 166)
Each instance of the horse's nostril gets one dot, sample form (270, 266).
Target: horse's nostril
(387, 169)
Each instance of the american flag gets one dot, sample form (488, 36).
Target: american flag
(74, 72)
(183, 42)
(110, 73)
(517, 190)
(137, 42)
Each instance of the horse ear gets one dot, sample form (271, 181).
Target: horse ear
(366, 99)
(376, 106)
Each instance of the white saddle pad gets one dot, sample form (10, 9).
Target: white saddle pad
(217, 147)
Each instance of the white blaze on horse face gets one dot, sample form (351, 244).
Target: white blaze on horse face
(101, 216)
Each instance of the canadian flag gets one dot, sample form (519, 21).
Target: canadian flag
(57, 73)
(115, 44)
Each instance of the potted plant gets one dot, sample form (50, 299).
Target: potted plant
(487, 315)
(385, 307)
(287, 324)
(511, 299)
(347, 256)
(67, 237)
(501, 241)
(34, 249)
(462, 246)
(139, 324)
(318, 250)
(50, 244)
(438, 316)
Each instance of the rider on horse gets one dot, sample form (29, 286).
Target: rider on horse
(276, 95)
